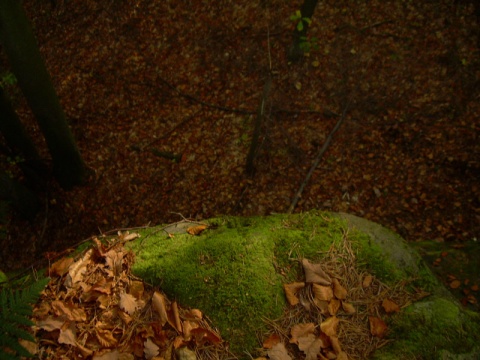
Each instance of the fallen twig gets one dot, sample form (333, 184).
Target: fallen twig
(317, 159)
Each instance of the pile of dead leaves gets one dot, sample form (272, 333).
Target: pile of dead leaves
(338, 312)
(95, 308)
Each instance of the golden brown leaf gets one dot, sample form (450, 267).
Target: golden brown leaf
(273, 339)
(196, 230)
(104, 336)
(348, 308)
(150, 349)
(333, 306)
(159, 303)
(310, 345)
(335, 344)
(301, 330)
(278, 352)
(367, 281)
(315, 274)
(60, 267)
(389, 306)
(291, 290)
(128, 303)
(322, 305)
(329, 326)
(378, 327)
(322, 292)
(338, 290)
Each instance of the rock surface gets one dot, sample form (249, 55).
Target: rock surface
(234, 273)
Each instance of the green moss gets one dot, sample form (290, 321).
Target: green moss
(234, 273)
(226, 272)
(425, 329)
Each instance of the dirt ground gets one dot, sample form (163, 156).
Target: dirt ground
(162, 97)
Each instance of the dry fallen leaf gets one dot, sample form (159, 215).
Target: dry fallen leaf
(185, 353)
(196, 230)
(338, 290)
(315, 274)
(150, 349)
(159, 303)
(348, 308)
(300, 330)
(335, 344)
(291, 290)
(329, 326)
(273, 339)
(367, 281)
(60, 267)
(310, 345)
(378, 327)
(321, 292)
(278, 352)
(128, 303)
(68, 334)
(333, 306)
(389, 306)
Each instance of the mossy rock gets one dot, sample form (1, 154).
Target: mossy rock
(234, 272)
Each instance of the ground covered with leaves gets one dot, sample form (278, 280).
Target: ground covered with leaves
(162, 98)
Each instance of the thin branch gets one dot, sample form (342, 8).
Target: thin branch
(204, 103)
(317, 159)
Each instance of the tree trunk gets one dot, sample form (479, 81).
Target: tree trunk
(21, 198)
(295, 52)
(29, 68)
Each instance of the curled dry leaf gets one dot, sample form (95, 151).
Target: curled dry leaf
(348, 308)
(185, 353)
(335, 344)
(389, 306)
(315, 274)
(271, 340)
(174, 318)
(333, 306)
(60, 267)
(338, 290)
(128, 303)
(68, 334)
(291, 290)
(301, 330)
(329, 326)
(104, 336)
(77, 269)
(322, 292)
(322, 305)
(378, 327)
(196, 230)
(278, 352)
(160, 305)
(150, 349)
(310, 345)
(367, 281)
(137, 289)
(203, 336)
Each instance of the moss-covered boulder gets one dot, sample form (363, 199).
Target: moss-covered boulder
(234, 272)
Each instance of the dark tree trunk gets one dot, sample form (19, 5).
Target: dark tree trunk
(29, 68)
(20, 144)
(13, 131)
(295, 52)
(21, 198)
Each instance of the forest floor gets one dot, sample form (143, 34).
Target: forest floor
(162, 98)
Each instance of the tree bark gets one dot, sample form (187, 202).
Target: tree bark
(21, 198)
(29, 68)
(295, 52)
(14, 132)
(20, 144)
